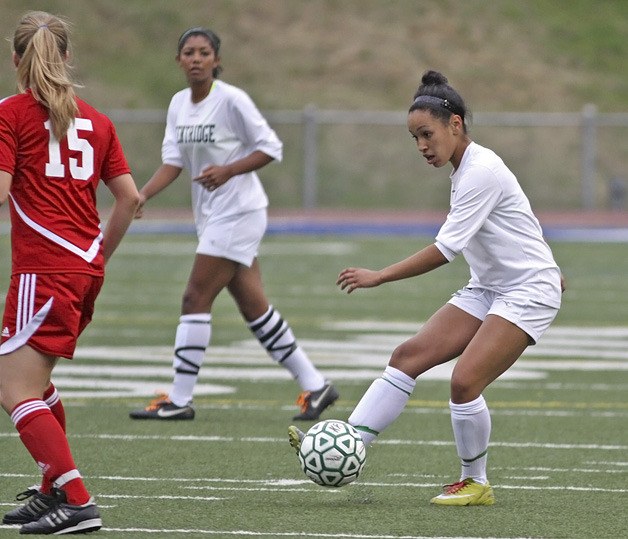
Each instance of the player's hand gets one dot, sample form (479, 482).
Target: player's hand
(352, 278)
(213, 176)
(563, 283)
(139, 212)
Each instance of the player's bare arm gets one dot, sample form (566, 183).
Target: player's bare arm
(5, 185)
(161, 179)
(127, 200)
(425, 260)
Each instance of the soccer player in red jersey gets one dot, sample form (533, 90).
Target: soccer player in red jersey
(54, 151)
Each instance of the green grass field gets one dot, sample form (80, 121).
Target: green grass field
(559, 452)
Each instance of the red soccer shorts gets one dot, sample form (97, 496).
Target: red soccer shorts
(48, 311)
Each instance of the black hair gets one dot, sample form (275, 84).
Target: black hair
(212, 37)
(436, 95)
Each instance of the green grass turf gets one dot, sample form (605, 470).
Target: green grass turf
(559, 453)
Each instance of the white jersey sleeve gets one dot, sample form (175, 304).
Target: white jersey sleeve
(170, 154)
(251, 127)
(476, 194)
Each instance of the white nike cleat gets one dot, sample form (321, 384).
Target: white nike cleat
(313, 403)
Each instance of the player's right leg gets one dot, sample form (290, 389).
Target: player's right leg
(208, 277)
(433, 345)
(387, 396)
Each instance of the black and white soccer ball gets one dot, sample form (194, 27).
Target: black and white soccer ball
(332, 453)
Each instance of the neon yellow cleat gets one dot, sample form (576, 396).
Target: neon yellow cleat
(466, 492)
(295, 436)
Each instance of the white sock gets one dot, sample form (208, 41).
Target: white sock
(382, 403)
(471, 422)
(275, 335)
(192, 339)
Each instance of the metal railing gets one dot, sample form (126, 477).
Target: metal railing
(588, 121)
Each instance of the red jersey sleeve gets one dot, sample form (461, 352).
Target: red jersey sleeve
(8, 138)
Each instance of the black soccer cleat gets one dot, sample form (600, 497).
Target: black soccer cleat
(163, 408)
(63, 518)
(37, 504)
(313, 403)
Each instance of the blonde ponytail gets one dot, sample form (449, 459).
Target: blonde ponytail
(41, 43)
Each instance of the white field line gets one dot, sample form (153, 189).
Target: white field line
(290, 485)
(421, 485)
(361, 357)
(271, 535)
(282, 441)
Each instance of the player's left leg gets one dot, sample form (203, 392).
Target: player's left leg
(495, 347)
(38, 498)
(24, 376)
(276, 336)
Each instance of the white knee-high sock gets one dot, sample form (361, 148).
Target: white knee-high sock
(382, 403)
(275, 335)
(471, 422)
(192, 339)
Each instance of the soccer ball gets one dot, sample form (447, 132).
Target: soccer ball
(332, 453)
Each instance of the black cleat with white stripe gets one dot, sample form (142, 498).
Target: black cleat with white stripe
(64, 518)
(37, 504)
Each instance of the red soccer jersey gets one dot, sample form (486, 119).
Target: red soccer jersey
(55, 226)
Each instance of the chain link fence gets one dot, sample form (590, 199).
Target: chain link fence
(367, 159)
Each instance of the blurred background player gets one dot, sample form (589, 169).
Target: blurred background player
(54, 150)
(511, 299)
(215, 131)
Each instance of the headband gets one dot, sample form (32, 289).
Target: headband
(213, 38)
(433, 100)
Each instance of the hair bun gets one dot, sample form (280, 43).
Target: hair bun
(433, 78)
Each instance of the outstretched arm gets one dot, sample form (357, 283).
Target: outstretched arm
(425, 260)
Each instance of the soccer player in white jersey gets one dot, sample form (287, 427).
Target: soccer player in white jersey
(512, 297)
(215, 132)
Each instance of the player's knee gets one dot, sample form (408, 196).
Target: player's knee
(406, 358)
(464, 390)
(195, 301)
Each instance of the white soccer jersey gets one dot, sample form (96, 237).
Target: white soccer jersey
(491, 223)
(224, 127)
